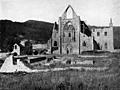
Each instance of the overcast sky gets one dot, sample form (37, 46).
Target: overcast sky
(93, 12)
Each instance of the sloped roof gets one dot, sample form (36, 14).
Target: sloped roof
(85, 29)
(19, 45)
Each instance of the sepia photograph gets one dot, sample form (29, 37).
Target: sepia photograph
(59, 44)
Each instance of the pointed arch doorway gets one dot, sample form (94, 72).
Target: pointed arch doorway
(69, 49)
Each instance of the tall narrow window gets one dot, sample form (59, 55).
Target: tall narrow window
(98, 33)
(69, 35)
(105, 33)
(105, 45)
(55, 43)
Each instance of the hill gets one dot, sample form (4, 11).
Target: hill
(11, 32)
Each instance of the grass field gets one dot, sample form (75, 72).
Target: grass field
(66, 80)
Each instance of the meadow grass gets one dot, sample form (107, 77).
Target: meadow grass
(65, 80)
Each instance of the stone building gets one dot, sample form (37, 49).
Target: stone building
(17, 49)
(104, 37)
(71, 36)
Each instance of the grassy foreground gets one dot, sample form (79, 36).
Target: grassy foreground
(64, 80)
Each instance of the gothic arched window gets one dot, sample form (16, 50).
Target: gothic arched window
(84, 43)
(69, 26)
(69, 34)
(69, 31)
(69, 13)
(74, 35)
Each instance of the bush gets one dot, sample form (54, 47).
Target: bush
(35, 52)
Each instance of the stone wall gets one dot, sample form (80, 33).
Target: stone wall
(104, 37)
(86, 43)
(68, 37)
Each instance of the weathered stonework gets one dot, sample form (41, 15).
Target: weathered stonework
(68, 37)
(104, 37)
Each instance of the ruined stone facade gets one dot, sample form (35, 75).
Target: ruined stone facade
(69, 37)
(104, 37)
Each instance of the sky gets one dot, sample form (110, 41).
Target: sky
(93, 12)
